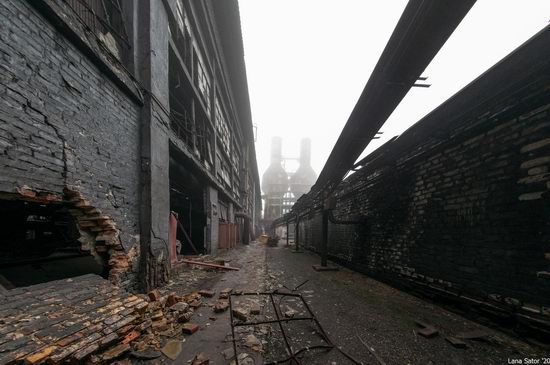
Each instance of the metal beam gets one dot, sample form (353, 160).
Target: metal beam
(422, 30)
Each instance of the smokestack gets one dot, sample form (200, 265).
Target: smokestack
(305, 152)
(276, 150)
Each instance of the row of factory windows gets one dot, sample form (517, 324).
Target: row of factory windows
(228, 155)
(107, 20)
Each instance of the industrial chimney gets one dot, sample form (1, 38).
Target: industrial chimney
(274, 182)
(304, 178)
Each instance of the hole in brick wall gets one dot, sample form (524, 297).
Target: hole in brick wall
(41, 241)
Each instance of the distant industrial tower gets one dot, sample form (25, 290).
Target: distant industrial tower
(304, 178)
(281, 189)
(274, 182)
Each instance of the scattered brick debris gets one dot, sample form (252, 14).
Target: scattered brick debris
(154, 295)
(207, 293)
(87, 319)
(190, 328)
(290, 313)
(171, 300)
(184, 317)
(240, 313)
(115, 352)
(224, 294)
(253, 342)
(244, 359)
(180, 307)
(221, 306)
(255, 309)
(200, 359)
(195, 304)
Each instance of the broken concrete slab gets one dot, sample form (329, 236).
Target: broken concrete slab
(200, 359)
(473, 335)
(456, 342)
(172, 349)
(228, 353)
(428, 330)
(325, 268)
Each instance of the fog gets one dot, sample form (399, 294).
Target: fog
(308, 61)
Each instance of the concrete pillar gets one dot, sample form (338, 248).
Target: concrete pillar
(213, 226)
(154, 181)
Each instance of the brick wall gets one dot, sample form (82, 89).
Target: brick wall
(464, 211)
(63, 123)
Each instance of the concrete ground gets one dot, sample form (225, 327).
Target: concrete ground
(371, 321)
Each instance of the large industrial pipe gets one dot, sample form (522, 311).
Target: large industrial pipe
(422, 30)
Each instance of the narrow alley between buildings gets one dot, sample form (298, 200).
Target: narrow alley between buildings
(135, 228)
(183, 321)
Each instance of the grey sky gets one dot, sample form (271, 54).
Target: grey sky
(308, 61)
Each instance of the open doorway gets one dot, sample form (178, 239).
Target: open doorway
(187, 196)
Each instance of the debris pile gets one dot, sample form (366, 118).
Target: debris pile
(89, 320)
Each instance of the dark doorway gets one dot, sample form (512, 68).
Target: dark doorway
(187, 200)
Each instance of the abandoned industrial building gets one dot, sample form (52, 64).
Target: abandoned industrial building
(135, 230)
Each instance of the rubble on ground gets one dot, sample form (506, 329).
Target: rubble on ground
(89, 320)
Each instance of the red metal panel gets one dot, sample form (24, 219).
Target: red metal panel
(172, 237)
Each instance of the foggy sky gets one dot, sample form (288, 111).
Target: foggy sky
(308, 61)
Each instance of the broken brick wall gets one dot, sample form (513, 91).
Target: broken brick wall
(64, 124)
(465, 212)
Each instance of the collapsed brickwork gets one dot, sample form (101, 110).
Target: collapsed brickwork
(91, 96)
(64, 124)
(457, 206)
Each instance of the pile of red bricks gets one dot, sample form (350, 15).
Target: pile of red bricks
(87, 319)
(69, 320)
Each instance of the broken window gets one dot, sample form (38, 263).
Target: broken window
(181, 103)
(222, 128)
(203, 81)
(105, 19)
(185, 33)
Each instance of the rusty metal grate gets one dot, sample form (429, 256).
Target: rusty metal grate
(102, 17)
(292, 356)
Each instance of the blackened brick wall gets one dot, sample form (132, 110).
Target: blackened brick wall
(466, 211)
(62, 122)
